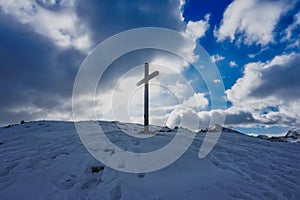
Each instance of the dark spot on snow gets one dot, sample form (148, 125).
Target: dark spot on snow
(27, 126)
(8, 126)
(141, 175)
(111, 151)
(97, 169)
(22, 122)
(166, 129)
(1, 143)
(60, 154)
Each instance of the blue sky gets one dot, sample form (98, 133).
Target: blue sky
(254, 44)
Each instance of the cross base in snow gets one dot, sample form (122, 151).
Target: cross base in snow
(147, 131)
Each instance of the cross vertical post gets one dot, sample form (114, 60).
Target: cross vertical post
(146, 100)
(145, 81)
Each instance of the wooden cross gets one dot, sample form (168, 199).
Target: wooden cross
(145, 81)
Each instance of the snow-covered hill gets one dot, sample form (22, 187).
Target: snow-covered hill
(46, 160)
(292, 135)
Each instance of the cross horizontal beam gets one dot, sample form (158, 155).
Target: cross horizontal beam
(147, 78)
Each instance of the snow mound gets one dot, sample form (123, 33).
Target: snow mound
(47, 160)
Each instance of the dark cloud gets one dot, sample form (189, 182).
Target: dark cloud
(280, 79)
(240, 118)
(107, 17)
(234, 118)
(35, 72)
(270, 91)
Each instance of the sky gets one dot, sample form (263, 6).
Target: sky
(254, 44)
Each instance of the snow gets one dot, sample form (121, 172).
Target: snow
(47, 160)
(292, 135)
(216, 128)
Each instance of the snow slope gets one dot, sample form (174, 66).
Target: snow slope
(46, 160)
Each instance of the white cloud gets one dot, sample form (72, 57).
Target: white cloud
(292, 33)
(183, 117)
(198, 100)
(168, 91)
(188, 118)
(185, 114)
(251, 55)
(61, 25)
(181, 7)
(252, 21)
(179, 89)
(178, 64)
(270, 91)
(293, 27)
(194, 30)
(206, 119)
(233, 64)
(197, 29)
(215, 58)
(217, 81)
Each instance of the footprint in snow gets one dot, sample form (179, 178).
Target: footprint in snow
(116, 193)
(66, 182)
